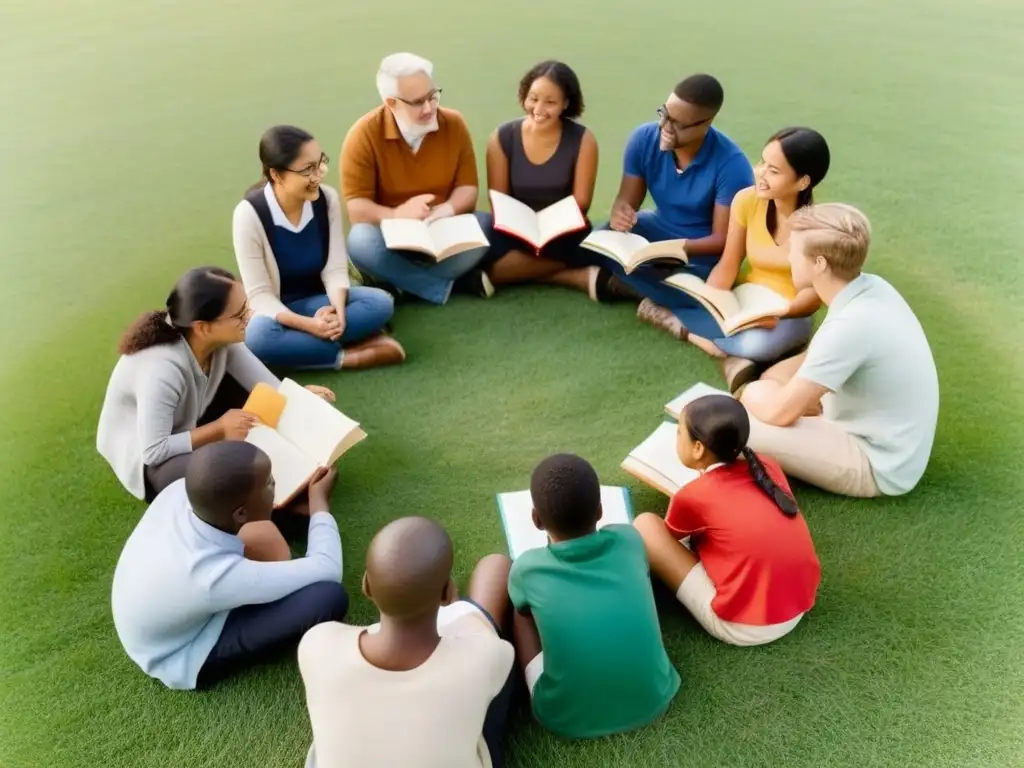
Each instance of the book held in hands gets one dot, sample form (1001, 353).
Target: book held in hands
(440, 239)
(516, 512)
(536, 228)
(632, 251)
(745, 306)
(300, 432)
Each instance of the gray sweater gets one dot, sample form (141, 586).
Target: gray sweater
(154, 400)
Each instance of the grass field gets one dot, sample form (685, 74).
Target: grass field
(129, 131)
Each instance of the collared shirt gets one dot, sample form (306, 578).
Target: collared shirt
(686, 199)
(278, 215)
(872, 353)
(178, 578)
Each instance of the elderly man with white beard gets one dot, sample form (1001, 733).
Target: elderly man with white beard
(410, 158)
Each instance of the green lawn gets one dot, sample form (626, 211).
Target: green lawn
(129, 131)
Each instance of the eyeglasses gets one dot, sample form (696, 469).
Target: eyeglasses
(310, 170)
(675, 125)
(434, 97)
(239, 316)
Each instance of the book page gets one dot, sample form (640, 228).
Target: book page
(560, 219)
(407, 235)
(663, 249)
(456, 234)
(723, 301)
(755, 302)
(292, 468)
(618, 245)
(516, 511)
(515, 218)
(658, 452)
(314, 426)
(674, 407)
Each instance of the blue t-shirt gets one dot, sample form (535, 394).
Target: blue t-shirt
(686, 201)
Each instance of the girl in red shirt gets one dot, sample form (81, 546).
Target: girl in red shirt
(749, 571)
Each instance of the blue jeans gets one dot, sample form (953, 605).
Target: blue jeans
(648, 280)
(366, 313)
(766, 345)
(407, 270)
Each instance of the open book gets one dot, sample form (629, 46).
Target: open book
(745, 306)
(516, 511)
(656, 463)
(632, 251)
(300, 432)
(440, 239)
(537, 228)
(674, 407)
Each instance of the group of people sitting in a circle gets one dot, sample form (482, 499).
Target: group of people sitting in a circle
(206, 583)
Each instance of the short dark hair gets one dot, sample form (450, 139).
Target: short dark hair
(220, 477)
(562, 76)
(701, 91)
(566, 494)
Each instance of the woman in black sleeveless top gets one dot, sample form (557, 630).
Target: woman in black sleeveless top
(540, 159)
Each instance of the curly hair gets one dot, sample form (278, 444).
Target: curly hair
(200, 294)
(561, 75)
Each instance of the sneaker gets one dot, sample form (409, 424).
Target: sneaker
(474, 283)
(656, 315)
(739, 372)
(608, 287)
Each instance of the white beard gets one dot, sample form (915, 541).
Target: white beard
(415, 133)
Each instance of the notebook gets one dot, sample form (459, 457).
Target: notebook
(516, 512)
(674, 407)
(300, 432)
(656, 463)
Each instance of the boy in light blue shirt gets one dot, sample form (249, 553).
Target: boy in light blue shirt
(692, 172)
(188, 607)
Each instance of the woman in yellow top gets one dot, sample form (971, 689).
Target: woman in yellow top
(793, 163)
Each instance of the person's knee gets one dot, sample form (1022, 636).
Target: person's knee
(365, 244)
(379, 304)
(330, 600)
(648, 524)
(259, 335)
(496, 565)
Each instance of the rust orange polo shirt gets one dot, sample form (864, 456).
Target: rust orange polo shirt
(378, 164)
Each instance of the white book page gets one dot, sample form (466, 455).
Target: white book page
(313, 425)
(455, 234)
(658, 452)
(757, 301)
(619, 245)
(724, 301)
(290, 466)
(516, 218)
(560, 218)
(675, 406)
(407, 234)
(516, 510)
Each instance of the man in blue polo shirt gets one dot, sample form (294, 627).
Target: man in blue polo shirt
(692, 172)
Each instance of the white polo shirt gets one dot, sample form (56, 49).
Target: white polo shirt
(872, 353)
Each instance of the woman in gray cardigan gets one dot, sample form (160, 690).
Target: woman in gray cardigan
(183, 376)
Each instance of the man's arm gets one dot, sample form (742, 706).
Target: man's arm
(713, 244)
(463, 200)
(359, 179)
(780, 405)
(247, 582)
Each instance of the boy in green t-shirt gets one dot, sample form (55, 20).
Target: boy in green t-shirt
(586, 628)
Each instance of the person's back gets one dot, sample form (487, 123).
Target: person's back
(891, 398)
(605, 667)
(601, 667)
(399, 694)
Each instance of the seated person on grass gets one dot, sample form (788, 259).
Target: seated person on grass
(586, 628)
(428, 686)
(291, 256)
(189, 609)
(410, 159)
(692, 172)
(749, 571)
(793, 163)
(182, 378)
(855, 414)
(540, 159)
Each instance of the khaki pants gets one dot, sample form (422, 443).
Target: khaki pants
(817, 451)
